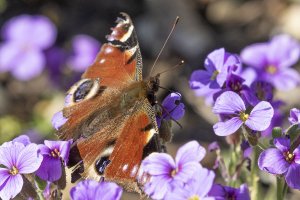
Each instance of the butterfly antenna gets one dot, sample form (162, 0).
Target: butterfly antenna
(172, 68)
(161, 50)
(171, 91)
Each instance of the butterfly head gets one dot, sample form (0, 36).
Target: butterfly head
(153, 86)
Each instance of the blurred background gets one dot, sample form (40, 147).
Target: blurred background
(32, 90)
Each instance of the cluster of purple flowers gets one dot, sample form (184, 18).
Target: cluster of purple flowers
(29, 46)
(244, 98)
(20, 156)
(185, 178)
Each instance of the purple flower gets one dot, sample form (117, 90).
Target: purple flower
(24, 139)
(272, 61)
(172, 108)
(217, 64)
(231, 105)
(58, 120)
(282, 160)
(85, 49)
(294, 116)
(93, 190)
(25, 38)
(236, 84)
(229, 193)
(263, 90)
(166, 173)
(53, 152)
(196, 188)
(16, 159)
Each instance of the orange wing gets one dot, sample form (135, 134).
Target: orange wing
(117, 66)
(109, 116)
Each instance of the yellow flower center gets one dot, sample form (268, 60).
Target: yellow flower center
(236, 86)
(271, 69)
(55, 153)
(173, 172)
(289, 157)
(194, 197)
(14, 171)
(244, 116)
(214, 75)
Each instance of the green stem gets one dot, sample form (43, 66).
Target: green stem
(261, 146)
(254, 175)
(285, 189)
(40, 195)
(281, 188)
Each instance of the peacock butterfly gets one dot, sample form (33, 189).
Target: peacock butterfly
(110, 114)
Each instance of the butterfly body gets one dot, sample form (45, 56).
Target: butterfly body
(110, 115)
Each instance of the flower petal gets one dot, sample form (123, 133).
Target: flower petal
(292, 176)
(228, 127)
(173, 106)
(243, 193)
(205, 181)
(215, 60)
(232, 63)
(58, 120)
(273, 161)
(50, 169)
(260, 116)
(29, 159)
(294, 116)
(190, 152)
(24, 139)
(217, 190)
(229, 103)
(43, 32)
(9, 52)
(29, 65)
(17, 28)
(255, 55)
(85, 49)
(220, 79)
(65, 150)
(286, 79)
(297, 155)
(158, 164)
(284, 51)
(85, 189)
(109, 191)
(158, 187)
(9, 153)
(283, 144)
(250, 75)
(186, 171)
(12, 187)
(199, 79)
(4, 175)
